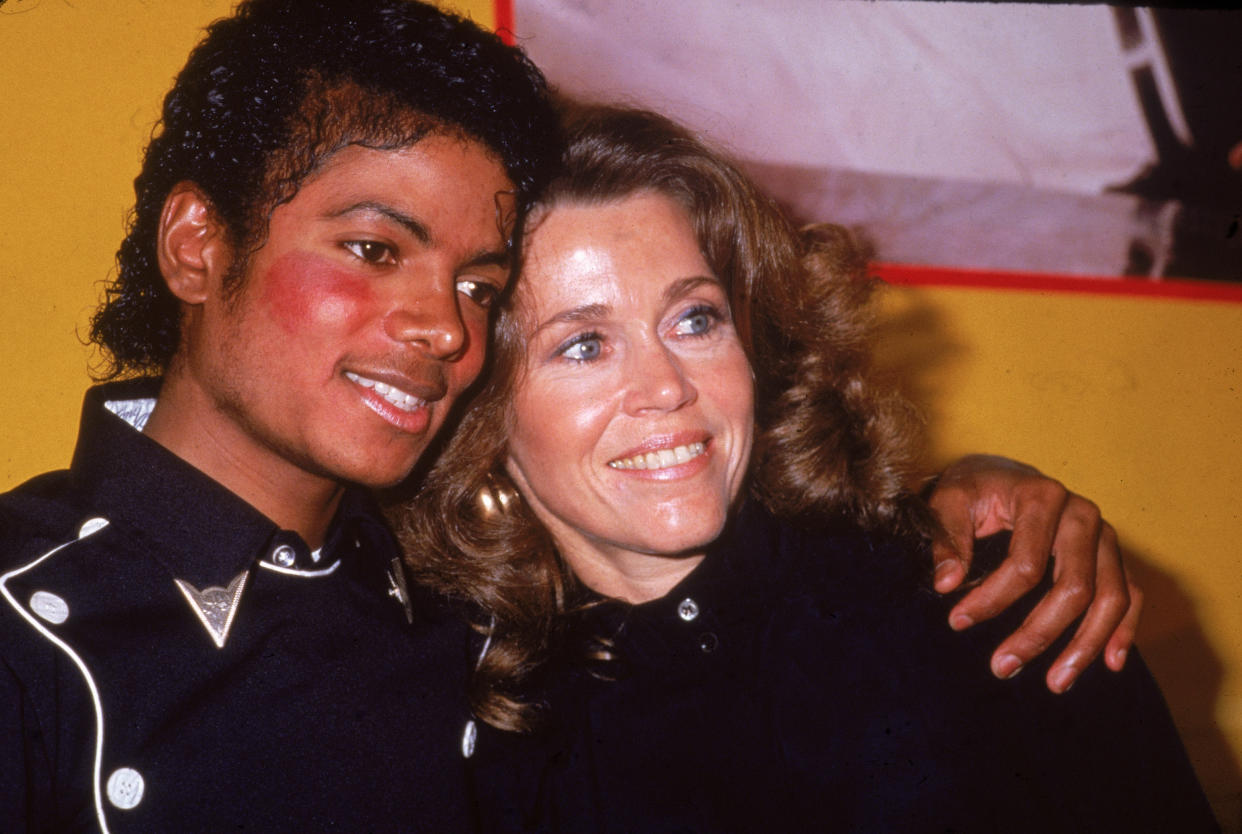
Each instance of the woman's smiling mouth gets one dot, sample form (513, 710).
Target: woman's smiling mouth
(661, 458)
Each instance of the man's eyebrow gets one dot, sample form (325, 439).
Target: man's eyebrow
(402, 219)
(492, 257)
(585, 312)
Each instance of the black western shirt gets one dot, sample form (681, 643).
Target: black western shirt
(806, 679)
(171, 660)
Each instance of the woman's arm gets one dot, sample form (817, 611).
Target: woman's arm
(983, 494)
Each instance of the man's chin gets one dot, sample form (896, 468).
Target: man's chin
(380, 477)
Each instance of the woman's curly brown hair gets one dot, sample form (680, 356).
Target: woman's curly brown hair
(827, 441)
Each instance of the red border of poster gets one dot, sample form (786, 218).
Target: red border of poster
(502, 13)
(992, 279)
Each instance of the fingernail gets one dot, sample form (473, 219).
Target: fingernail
(958, 622)
(944, 571)
(1119, 657)
(1062, 679)
(1006, 666)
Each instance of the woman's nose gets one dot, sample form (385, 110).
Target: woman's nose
(429, 319)
(657, 381)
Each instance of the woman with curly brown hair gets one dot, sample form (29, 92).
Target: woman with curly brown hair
(684, 511)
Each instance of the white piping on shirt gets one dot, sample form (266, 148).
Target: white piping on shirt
(90, 681)
(302, 573)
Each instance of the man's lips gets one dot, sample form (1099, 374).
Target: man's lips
(393, 394)
(403, 390)
(399, 400)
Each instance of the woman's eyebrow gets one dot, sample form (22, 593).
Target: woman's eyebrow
(584, 312)
(684, 286)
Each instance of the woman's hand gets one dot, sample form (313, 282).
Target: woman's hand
(983, 494)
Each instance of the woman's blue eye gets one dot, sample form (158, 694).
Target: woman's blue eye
(697, 321)
(583, 348)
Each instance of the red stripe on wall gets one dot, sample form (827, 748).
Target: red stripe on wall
(938, 276)
(502, 10)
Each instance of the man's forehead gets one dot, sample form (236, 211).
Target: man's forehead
(336, 114)
(435, 169)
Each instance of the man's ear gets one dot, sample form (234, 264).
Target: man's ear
(191, 247)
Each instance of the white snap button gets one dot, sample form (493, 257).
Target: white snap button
(90, 526)
(468, 738)
(125, 787)
(687, 609)
(50, 607)
(284, 556)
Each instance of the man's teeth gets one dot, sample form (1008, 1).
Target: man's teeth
(400, 399)
(661, 458)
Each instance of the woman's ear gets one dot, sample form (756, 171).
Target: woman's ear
(191, 247)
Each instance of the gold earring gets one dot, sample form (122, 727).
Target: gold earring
(494, 498)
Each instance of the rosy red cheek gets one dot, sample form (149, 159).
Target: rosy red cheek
(304, 291)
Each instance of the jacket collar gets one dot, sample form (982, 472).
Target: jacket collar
(735, 577)
(199, 530)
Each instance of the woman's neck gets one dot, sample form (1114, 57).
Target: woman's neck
(632, 577)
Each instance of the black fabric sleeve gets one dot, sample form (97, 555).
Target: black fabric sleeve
(25, 779)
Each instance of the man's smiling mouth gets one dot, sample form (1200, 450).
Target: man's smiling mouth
(391, 394)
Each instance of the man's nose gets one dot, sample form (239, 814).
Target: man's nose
(429, 318)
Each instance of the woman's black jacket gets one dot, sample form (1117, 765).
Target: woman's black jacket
(805, 679)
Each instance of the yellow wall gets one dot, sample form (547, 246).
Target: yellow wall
(1134, 402)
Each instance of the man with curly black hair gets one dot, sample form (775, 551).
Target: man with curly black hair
(206, 623)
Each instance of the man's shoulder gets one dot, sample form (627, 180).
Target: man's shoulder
(36, 517)
(856, 568)
(42, 511)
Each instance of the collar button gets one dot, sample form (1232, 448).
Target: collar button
(688, 609)
(285, 556)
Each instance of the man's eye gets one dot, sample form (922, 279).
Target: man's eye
(482, 293)
(372, 251)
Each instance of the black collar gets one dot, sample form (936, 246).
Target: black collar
(199, 530)
(735, 577)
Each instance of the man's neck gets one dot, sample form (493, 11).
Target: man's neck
(198, 433)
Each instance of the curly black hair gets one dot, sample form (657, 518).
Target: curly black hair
(272, 91)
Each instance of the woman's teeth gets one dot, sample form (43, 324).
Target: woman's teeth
(398, 398)
(661, 458)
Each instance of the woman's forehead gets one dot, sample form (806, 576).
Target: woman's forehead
(575, 244)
